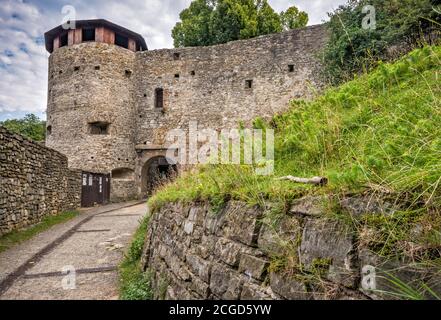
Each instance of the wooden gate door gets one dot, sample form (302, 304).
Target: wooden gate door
(95, 189)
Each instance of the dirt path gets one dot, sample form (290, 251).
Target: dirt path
(74, 260)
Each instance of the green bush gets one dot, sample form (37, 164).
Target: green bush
(353, 49)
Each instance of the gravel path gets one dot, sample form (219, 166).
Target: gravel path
(74, 260)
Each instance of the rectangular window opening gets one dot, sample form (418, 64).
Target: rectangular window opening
(99, 128)
(159, 98)
(121, 41)
(291, 68)
(248, 84)
(176, 56)
(88, 34)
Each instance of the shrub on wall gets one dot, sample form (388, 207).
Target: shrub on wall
(362, 31)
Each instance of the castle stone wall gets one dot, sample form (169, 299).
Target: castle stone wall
(92, 82)
(193, 252)
(34, 182)
(208, 84)
(218, 87)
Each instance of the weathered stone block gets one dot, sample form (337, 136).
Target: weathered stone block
(253, 267)
(252, 291)
(276, 239)
(228, 251)
(220, 279)
(240, 223)
(367, 204)
(200, 287)
(288, 287)
(309, 206)
(199, 267)
(225, 283)
(329, 245)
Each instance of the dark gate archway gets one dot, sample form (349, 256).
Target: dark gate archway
(155, 172)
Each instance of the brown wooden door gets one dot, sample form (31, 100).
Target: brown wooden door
(95, 189)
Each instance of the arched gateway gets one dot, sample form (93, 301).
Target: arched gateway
(156, 171)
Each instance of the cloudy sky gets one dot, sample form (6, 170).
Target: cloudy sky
(23, 58)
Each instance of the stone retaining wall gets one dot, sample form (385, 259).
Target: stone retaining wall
(194, 253)
(34, 182)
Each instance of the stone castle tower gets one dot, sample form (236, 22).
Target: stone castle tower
(111, 101)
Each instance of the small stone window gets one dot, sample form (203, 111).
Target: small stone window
(88, 34)
(64, 40)
(176, 75)
(128, 73)
(176, 56)
(159, 98)
(97, 67)
(248, 84)
(49, 130)
(99, 128)
(76, 68)
(291, 68)
(193, 73)
(60, 72)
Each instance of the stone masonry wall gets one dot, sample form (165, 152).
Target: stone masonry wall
(34, 182)
(208, 84)
(98, 82)
(194, 253)
(92, 82)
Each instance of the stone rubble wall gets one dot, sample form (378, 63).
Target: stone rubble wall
(193, 253)
(208, 84)
(97, 82)
(34, 182)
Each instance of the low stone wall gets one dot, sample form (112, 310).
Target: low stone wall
(34, 182)
(194, 253)
(123, 190)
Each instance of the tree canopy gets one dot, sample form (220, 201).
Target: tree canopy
(30, 126)
(209, 22)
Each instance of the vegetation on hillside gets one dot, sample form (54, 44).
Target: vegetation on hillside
(209, 22)
(377, 134)
(134, 283)
(354, 47)
(30, 126)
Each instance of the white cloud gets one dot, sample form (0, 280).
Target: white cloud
(23, 58)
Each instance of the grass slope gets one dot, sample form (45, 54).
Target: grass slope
(379, 132)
